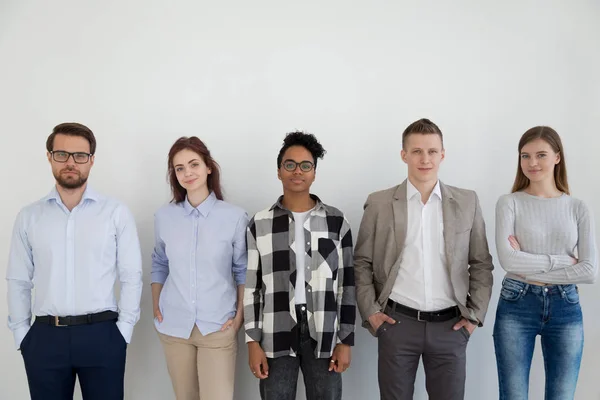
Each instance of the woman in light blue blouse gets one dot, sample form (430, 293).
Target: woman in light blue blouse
(198, 275)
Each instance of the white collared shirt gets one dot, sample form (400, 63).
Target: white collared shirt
(423, 282)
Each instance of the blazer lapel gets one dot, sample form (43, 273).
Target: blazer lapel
(449, 217)
(400, 216)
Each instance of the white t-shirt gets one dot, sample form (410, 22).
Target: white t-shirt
(300, 249)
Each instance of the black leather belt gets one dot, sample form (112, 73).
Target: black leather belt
(77, 319)
(425, 316)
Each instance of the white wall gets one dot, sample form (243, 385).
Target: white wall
(241, 74)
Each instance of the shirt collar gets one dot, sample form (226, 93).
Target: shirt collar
(411, 190)
(88, 193)
(204, 207)
(279, 204)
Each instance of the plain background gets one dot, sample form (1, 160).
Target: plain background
(241, 74)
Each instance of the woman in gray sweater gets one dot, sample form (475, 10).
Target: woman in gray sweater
(546, 244)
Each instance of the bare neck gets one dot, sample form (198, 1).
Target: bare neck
(545, 189)
(298, 202)
(196, 197)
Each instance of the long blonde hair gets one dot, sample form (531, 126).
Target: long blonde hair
(551, 137)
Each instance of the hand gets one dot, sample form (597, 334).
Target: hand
(257, 361)
(340, 359)
(379, 318)
(157, 314)
(234, 323)
(514, 243)
(467, 324)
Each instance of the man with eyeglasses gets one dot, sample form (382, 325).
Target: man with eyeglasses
(72, 245)
(299, 304)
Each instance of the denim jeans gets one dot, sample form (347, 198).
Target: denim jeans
(525, 311)
(320, 383)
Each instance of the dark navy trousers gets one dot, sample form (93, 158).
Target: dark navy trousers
(54, 356)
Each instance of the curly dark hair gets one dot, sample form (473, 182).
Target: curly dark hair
(306, 140)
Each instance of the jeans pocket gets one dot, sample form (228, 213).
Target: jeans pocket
(571, 294)
(511, 290)
(510, 294)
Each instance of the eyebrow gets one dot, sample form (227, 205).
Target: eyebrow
(537, 152)
(189, 162)
(289, 159)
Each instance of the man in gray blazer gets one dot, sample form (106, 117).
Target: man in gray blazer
(423, 273)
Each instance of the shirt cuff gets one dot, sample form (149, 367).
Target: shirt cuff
(253, 335)
(348, 340)
(159, 277)
(126, 330)
(19, 334)
(240, 278)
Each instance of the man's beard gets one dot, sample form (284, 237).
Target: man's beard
(73, 182)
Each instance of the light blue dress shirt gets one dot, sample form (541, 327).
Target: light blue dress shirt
(73, 259)
(200, 257)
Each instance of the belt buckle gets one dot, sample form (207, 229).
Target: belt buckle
(56, 323)
(419, 316)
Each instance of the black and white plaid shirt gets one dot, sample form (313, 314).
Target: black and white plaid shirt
(269, 297)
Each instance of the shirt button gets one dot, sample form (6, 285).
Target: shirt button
(308, 290)
(303, 308)
(546, 290)
(308, 243)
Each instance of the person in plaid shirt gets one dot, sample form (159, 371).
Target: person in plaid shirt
(299, 300)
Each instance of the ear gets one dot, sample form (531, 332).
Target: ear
(403, 154)
(92, 159)
(558, 158)
(208, 171)
(278, 174)
(49, 156)
(443, 153)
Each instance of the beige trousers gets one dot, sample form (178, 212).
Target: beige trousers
(202, 367)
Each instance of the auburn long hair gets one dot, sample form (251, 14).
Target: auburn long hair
(196, 145)
(551, 137)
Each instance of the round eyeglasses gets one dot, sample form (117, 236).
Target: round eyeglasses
(291, 165)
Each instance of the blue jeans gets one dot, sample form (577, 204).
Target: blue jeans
(320, 383)
(525, 311)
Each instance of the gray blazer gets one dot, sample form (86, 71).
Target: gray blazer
(380, 244)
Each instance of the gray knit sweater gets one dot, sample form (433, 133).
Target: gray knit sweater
(551, 232)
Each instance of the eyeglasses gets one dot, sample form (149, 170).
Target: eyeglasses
(63, 156)
(291, 165)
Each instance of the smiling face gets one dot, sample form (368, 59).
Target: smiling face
(190, 170)
(423, 154)
(538, 161)
(297, 180)
(70, 174)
